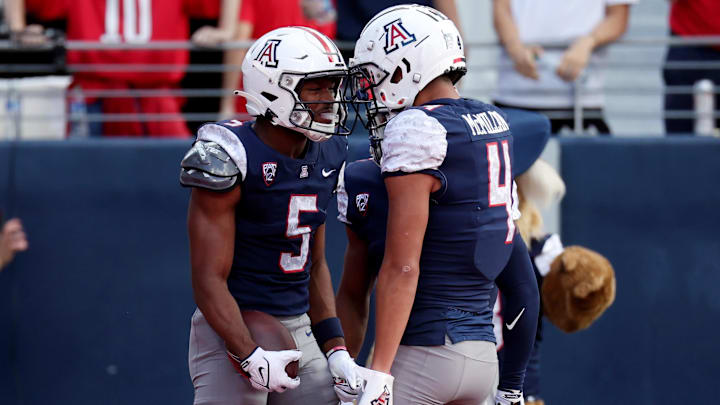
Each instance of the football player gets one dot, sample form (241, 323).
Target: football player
(256, 225)
(447, 169)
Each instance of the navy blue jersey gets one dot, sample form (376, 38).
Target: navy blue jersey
(283, 202)
(470, 230)
(365, 208)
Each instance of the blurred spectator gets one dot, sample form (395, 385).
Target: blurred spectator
(12, 240)
(690, 18)
(151, 20)
(544, 79)
(255, 21)
(354, 14)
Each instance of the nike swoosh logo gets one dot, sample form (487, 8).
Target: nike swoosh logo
(308, 333)
(517, 318)
(265, 380)
(327, 173)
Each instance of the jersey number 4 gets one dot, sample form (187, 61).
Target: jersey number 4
(499, 195)
(298, 203)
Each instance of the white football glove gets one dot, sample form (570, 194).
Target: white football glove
(378, 388)
(266, 369)
(510, 397)
(346, 379)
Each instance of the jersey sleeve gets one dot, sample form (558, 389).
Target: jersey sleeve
(342, 198)
(414, 141)
(228, 141)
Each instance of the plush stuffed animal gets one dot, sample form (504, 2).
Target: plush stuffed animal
(578, 289)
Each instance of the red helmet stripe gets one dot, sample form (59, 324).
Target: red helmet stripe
(322, 41)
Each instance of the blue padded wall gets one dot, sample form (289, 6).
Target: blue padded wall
(98, 310)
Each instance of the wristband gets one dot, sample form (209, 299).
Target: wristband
(335, 349)
(327, 329)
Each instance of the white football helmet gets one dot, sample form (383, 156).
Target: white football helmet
(401, 50)
(275, 67)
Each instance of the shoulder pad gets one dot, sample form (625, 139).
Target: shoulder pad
(208, 165)
(414, 141)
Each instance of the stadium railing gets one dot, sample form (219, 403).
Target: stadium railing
(12, 96)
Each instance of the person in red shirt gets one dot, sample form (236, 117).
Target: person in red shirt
(690, 18)
(116, 22)
(255, 21)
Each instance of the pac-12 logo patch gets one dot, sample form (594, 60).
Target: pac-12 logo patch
(383, 399)
(361, 201)
(268, 54)
(396, 36)
(269, 169)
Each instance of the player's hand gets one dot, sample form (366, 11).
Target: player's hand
(12, 240)
(575, 59)
(211, 36)
(509, 397)
(346, 378)
(524, 57)
(266, 369)
(378, 388)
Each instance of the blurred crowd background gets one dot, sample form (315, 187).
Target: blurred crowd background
(90, 69)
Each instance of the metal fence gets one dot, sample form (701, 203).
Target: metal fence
(12, 117)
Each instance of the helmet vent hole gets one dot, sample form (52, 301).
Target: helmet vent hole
(407, 65)
(270, 97)
(397, 76)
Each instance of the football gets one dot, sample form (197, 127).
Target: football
(270, 334)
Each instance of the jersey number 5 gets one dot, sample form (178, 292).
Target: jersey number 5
(298, 203)
(501, 195)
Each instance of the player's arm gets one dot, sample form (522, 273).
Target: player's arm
(211, 227)
(521, 303)
(409, 204)
(353, 297)
(227, 25)
(326, 325)
(322, 296)
(214, 166)
(611, 28)
(522, 55)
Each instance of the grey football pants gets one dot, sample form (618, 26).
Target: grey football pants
(217, 382)
(459, 374)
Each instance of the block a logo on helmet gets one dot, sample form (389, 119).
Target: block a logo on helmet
(268, 54)
(396, 35)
